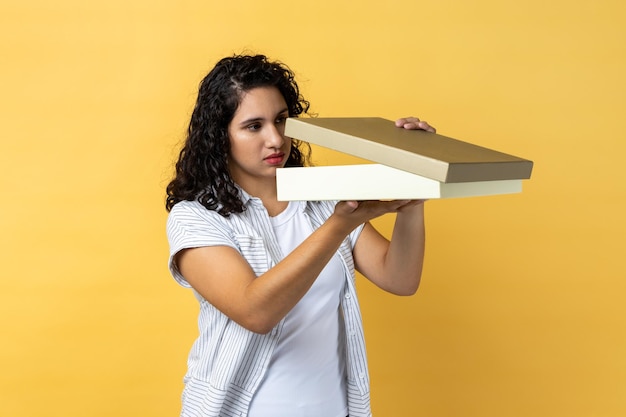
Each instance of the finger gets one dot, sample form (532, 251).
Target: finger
(408, 122)
(392, 205)
(348, 206)
(415, 203)
(414, 123)
(425, 126)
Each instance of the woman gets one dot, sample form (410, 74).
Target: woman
(280, 326)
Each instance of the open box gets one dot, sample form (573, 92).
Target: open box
(408, 164)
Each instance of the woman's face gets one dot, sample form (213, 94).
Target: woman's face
(257, 137)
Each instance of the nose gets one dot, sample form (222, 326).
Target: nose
(275, 137)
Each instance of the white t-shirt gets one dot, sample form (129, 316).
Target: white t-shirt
(306, 376)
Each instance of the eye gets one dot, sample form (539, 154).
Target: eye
(280, 120)
(254, 127)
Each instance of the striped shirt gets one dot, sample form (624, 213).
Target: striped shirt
(227, 362)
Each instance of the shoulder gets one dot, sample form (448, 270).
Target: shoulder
(191, 210)
(191, 217)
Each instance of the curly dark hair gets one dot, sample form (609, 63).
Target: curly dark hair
(202, 168)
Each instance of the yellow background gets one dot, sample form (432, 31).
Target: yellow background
(521, 311)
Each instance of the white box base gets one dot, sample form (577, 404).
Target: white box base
(377, 182)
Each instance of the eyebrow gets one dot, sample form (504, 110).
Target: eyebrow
(259, 119)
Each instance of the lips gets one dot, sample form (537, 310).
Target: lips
(275, 158)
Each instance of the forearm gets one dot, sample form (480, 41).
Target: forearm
(273, 294)
(403, 262)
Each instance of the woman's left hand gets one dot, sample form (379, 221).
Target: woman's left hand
(414, 123)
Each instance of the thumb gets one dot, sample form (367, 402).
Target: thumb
(348, 206)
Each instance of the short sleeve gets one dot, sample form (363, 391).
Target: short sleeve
(190, 225)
